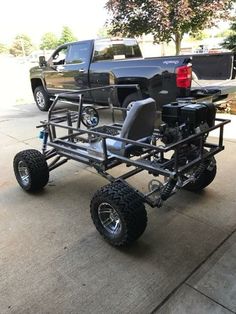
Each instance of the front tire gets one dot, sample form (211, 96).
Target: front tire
(119, 214)
(31, 170)
(42, 98)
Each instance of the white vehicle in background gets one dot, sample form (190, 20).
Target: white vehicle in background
(201, 49)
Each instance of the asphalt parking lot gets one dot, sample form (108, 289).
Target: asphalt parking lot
(54, 261)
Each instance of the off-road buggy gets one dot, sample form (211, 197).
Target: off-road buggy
(175, 152)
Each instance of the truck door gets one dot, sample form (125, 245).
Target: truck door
(75, 69)
(52, 73)
(72, 74)
(100, 69)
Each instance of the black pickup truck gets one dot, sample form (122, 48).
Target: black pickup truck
(97, 63)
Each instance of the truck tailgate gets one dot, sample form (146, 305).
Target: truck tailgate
(213, 88)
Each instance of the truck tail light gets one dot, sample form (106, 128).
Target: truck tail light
(184, 76)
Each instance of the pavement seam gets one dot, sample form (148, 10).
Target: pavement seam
(191, 273)
(208, 297)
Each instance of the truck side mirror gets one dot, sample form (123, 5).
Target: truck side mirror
(42, 61)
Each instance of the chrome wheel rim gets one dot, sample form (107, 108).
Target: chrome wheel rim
(109, 219)
(40, 99)
(23, 173)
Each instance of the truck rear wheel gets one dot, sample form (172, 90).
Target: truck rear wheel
(42, 98)
(31, 170)
(130, 98)
(118, 213)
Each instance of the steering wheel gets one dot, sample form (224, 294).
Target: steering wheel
(89, 117)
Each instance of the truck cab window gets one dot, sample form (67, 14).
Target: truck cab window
(59, 56)
(78, 53)
(125, 49)
(103, 51)
(116, 49)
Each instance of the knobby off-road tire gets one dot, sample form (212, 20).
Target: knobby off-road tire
(31, 170)
(42, 98)
(204, 178)
(123, 208)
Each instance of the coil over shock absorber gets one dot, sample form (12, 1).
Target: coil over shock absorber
(201, 168)
(168, 188)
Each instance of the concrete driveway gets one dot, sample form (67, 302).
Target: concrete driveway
(54, 261)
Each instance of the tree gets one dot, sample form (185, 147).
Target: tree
(103, 32)
(166, 19)
(199, 35)
(49, 41)
(230, 41)
(22, 45)
(225, 33)
(3, 48)
(66, 36)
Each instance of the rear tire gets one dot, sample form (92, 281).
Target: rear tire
(119, 214)
(31, 170)
(42, 98)
(205, 178)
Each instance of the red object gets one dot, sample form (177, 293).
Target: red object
(184, 76)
